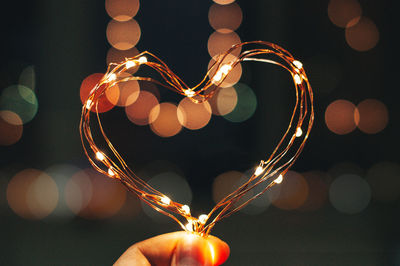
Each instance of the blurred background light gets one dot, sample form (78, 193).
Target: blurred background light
(318, 183)
(11, 128)
(349, 194)
(223, 101)
(384, 179)
(123, 35)
(372, 116)
(32, 194)
(117, 56)
(173, 186)
(363, 35)
(291, 193)
(27, 77)
(20, 100)
(139, 111)
(219, 43)
(122, 10)
(246, 104)
(341, 12)
(339, 117)
(224, 2)
(124, 93)
(224, 184)
(104, 104)
(193, 115)
(165, 120)
(225, 18)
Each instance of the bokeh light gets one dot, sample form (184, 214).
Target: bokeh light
(124, 93)
(372, 116)
(32, 194)
(10, 128)
(341, 12)
(27, 77)
(339, 117)
(362, 36)
(193, 115)
(219, 43)
(224, 184)
(384, 178)
(225, 18)
(123, 35)
(246, 104)
(224, 2)
(139, 111)
(104, 104)
(61, 173)
(20, 100)
(223, 101)
(165, 120)
(117, 56)
(291, 193)
(318, 183)
(349, 194)
(234, 75)
(92, 195)
(122, 10)
(173, 186)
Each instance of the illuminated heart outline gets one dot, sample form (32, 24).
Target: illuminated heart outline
(267, 173)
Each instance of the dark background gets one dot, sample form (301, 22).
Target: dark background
(66, 41)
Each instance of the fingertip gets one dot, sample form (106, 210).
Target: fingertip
(221, 250)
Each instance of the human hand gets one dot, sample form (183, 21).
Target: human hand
(178, 249)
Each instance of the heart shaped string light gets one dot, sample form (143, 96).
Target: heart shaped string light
(269, 172)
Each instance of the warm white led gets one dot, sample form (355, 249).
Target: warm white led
(279, 179)
(225, 69)
(111, 172)
(89, 104)
(186, 209)
(165, 200)
(299, 132)
(142, 60)
(112, 77)
(258, 171)
(297, 79)
(189, 226)
(203, 218)
(189, 93)
(100, 156)
(130, 64)
(218, 76)
(298, 64)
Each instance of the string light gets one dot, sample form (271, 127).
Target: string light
(299, 132)
(264, 175)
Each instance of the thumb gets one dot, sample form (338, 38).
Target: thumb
(193, 250)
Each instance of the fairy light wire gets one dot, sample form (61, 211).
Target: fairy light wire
(113, 165)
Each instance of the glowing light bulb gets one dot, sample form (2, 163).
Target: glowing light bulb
(130, 64)
(203, 218)
(299, 132)
(297, 79)
(89, 104)
(298, 64)
(189, 226)
(165, 200)
(218, 76)
(258, 171)
(142, 60)
(112, 77)
(189, 93)
(225, 69)
(279, 179)
(186, 209)
(100, 156)
(111, 172)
